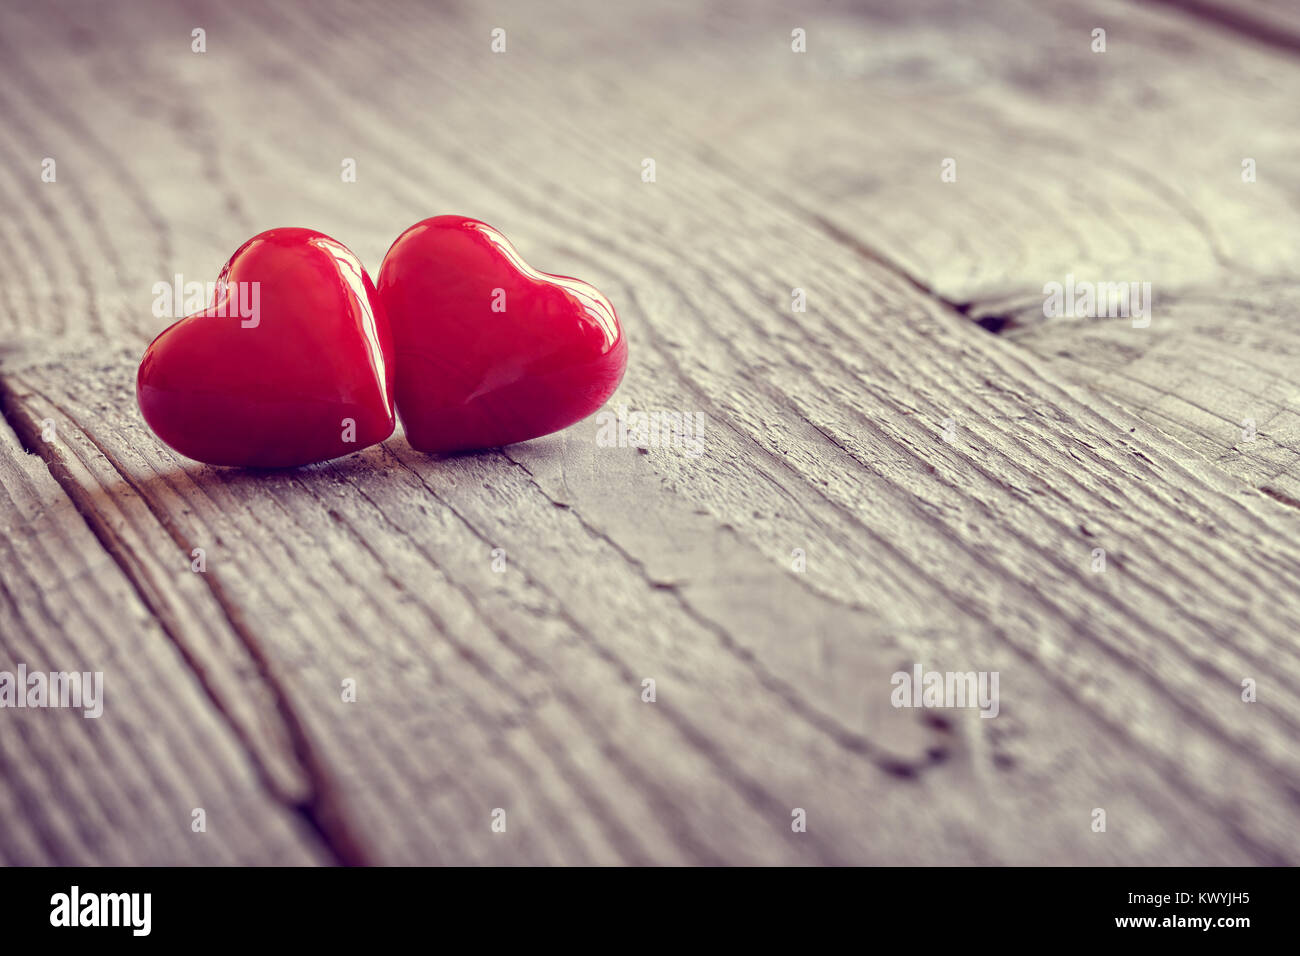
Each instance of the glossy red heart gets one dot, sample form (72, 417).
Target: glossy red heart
(489, 350)
(292, 363)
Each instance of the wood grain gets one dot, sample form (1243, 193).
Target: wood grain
(1219, 376)
(521, 689)
(120, 788)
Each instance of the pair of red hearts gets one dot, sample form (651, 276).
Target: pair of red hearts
(474, 348)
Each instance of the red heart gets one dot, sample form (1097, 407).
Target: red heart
(292, 363)
(489, 350)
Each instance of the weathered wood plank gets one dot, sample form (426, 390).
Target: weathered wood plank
(119, 788)
(1219, 371)
(521, 689)
(1118, 165)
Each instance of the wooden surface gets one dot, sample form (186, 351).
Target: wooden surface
(825, 432)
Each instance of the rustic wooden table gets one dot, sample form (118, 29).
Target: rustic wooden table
(919, 468)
